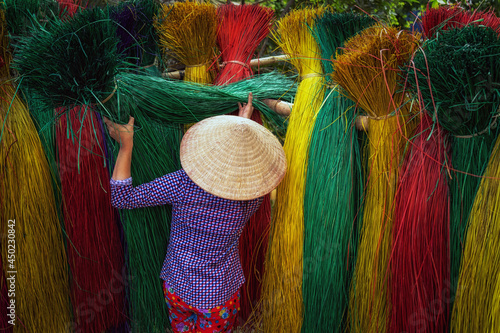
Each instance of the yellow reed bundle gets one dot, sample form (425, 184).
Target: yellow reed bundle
(476, 307)
(282, 285)
(32, 244)
(26, 196)
(187, 31)
(369, 70)
(495, 309)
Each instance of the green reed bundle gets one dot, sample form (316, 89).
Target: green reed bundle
(332, 192)
(156, 152)
(147, 230)
(458, 75)
(174, 101)
(70, 62)
(22, 15)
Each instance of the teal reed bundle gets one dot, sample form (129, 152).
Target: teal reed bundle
(182, 102)
(22, 15)
(458, 76)
(331, 196)
(71, 62)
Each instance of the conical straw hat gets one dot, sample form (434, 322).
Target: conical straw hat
(233, 157)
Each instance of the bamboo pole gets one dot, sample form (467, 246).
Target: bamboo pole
(285, 109)
(267, 61)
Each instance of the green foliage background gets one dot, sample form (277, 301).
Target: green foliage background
(400, 13)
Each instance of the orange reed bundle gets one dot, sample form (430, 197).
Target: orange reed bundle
(369, 70)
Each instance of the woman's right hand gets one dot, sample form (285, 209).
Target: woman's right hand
(124, 134)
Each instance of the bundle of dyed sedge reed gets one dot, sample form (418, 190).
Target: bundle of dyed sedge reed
(460, 70)
(70, 65)
(184, 102)
(138, 38)
(369, 69)
(420, 255)
(436, 20)
(456, 75)
(333, 190)
(282, 287)
(156, 153)
(477, 305)
(187, 32)
(240, 30)
(147, 230)
(32, 248)
(24, 15)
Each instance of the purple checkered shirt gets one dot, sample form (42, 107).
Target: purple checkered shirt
(202, 263)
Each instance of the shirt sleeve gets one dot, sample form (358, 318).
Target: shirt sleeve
(167, 189)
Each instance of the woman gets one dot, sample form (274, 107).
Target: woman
(228, 164)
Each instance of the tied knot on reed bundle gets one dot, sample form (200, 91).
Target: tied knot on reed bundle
(458, 76)
(369, 68)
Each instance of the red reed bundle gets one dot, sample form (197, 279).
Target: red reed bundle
(70, 7)
(487, 19)
(420, 261)
(95, 252)
(241, 29)
(442, 18)
(448, 17)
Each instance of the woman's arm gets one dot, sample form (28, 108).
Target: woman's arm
(161, 191)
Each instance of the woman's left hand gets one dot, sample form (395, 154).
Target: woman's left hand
(246, 109)
(124, 134)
